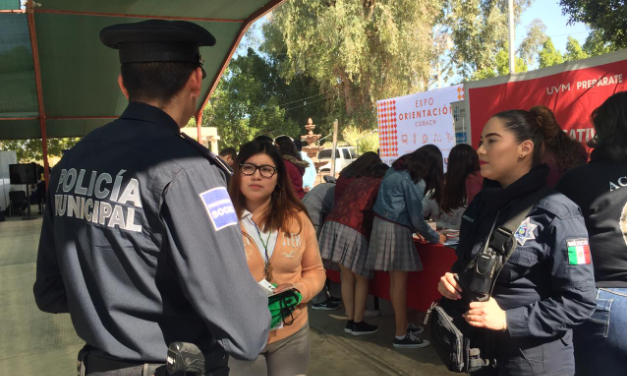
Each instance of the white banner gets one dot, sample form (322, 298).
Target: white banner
(409, 122)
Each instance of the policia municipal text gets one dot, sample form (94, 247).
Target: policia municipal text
(140, 242)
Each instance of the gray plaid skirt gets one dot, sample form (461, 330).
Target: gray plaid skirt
(392, 248)
(341, 244)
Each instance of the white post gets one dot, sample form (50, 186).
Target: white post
(512, 47)
(335, 126)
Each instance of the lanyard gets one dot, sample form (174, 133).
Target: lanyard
(265, 244)
(268, 267)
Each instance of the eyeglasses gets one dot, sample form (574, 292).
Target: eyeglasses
(266, 171)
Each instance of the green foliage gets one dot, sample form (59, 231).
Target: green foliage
(31, 150)
(252, 99)
(532, 43)
(502, 63)
(363, 141)
(607, 16)
(549, 56)
(357, 51)
(595, 45)
(332, 59)
(484, 73)
(574, 51)
(479, 30)
(502, 66)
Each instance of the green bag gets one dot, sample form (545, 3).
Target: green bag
(282, 305)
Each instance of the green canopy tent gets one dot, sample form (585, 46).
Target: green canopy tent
(58, 80)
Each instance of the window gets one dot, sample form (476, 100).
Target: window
(347, 154)
(326, 154)
(353, 153)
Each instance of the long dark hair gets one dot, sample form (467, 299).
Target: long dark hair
(376, 171)
(361, 164)
(284, 206)
(610, 123)
(424, 163)
(462, 161)
(567, 152)
(287, 147)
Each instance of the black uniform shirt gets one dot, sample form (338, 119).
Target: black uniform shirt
(600, 189)
(544, 288)
(140, 243)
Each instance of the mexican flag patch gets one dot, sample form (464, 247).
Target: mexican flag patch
(578, 251)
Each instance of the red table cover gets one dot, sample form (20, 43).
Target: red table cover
(421, 286)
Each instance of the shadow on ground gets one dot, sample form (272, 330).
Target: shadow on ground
(36, 343)
(337, 353)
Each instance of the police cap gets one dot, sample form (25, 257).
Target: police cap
(157, 41)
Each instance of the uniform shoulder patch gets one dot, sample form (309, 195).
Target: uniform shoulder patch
(578, 251)
(219, 208)
(525, 231)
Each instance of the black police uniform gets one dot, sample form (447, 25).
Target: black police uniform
(544, 290)
(140, 244)
(600, 189)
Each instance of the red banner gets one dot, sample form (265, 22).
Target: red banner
(572, 93)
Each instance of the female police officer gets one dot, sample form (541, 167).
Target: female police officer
(547, 286)
(599, 189)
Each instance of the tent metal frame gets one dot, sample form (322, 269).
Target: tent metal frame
(30, 11)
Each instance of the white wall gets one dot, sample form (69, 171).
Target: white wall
(6, 158)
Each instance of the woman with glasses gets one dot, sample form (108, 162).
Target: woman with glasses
(281, 248)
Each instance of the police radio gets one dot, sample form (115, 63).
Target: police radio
(479, 276)
(185, 358)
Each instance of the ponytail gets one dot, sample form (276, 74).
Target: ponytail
(547, 123)
(567, 152)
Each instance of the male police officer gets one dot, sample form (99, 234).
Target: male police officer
(140, 242)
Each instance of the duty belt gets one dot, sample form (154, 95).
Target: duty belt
(89, 365)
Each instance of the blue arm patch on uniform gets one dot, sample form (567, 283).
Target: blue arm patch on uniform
(219, 208)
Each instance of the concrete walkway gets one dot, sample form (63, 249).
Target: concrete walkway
(36, 343)
(31, 342)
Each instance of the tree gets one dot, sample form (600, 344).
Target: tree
(549, 55)
(531, 44)
(479, 30)
(31, 150)
(595, 45)
(357, 51)
(363, 141)
(607, 16)
(253, 99)
(502, 63)
(574, 50)
(524, 56)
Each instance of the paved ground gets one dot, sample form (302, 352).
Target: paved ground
(35, 343)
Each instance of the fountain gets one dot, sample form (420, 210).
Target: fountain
(312, 149)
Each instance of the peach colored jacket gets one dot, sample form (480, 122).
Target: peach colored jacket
(296, 259)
